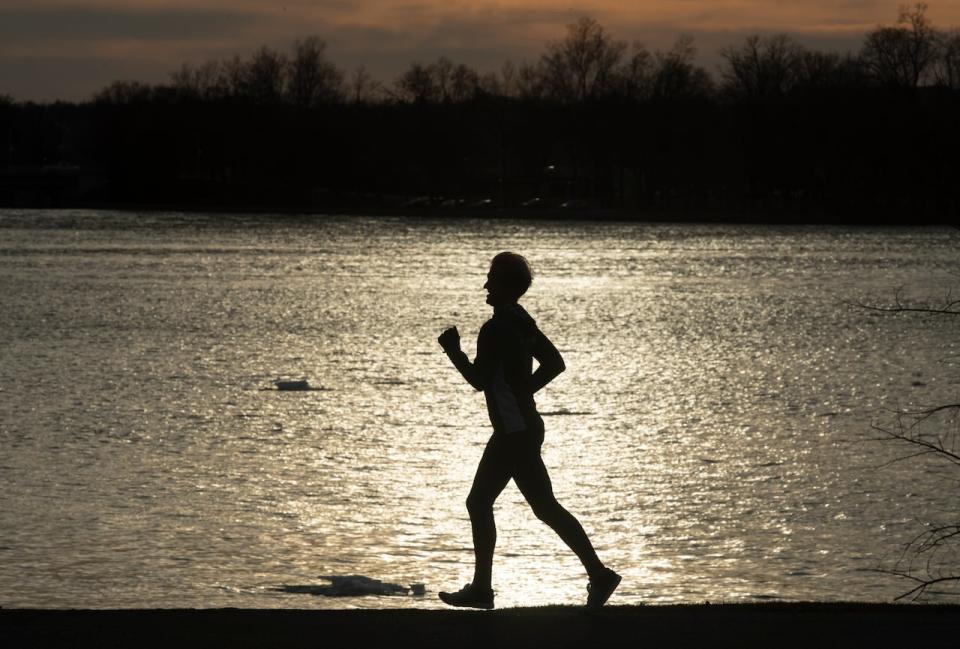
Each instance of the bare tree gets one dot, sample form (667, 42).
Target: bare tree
(262, 78)
(442, 71)
(946, 67)
(312, 79)
(828, 70)
(762, 66)
(208, 81)
(902, 56)
(931, 558)
(233, 72)
(124, 92)
(212, 80)
(417, 85)
(637, 72)
(363, 87)
(530, 81)
(443, 81)
(582, 65)
(184, 81)
(464, 83)
(675, 77)
(508, 80)
(489, 83)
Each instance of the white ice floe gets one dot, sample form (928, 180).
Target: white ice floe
(352, 586)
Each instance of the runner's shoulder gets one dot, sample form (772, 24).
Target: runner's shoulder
(491, 328)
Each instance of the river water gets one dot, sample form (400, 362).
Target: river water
(712, 430)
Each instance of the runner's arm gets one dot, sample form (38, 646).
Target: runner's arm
(479, 372)
(551, 363)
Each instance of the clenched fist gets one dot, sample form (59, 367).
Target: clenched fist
(450, 340)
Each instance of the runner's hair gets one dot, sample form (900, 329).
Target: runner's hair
(515, 271)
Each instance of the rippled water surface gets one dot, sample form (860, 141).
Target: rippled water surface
(710, 431)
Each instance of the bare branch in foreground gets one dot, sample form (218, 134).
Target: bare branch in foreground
(930, 558)
(950, 306)
(907, 431)
(922, 586)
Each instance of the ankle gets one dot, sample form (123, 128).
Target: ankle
(597, 571)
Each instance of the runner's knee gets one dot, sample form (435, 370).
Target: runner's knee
(477, 504)
(550, 512)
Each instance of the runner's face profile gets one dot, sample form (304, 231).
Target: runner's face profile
(497, 294)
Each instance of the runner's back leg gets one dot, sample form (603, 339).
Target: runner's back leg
(530, 475)
(493, 474)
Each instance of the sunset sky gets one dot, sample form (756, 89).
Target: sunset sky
(68, 49)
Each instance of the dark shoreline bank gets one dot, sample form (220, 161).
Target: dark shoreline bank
(595, 215)
(779, 625)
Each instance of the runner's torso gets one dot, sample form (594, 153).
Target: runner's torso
(507, 345)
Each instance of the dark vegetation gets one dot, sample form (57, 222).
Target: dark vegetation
(594, 126)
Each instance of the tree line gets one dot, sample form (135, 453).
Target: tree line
(593, 124)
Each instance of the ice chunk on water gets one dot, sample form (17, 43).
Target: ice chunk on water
(352, 586)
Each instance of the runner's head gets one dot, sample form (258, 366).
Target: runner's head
(508, 279)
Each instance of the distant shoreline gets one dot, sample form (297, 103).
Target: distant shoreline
(598, 215)
(816, 625)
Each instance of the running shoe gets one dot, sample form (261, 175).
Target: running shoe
(601, 586)
(469, 597)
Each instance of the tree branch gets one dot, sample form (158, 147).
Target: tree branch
(923, 585)
(950, 306)
(930, 557)
(906, 435)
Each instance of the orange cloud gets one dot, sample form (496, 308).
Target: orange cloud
(387, 35)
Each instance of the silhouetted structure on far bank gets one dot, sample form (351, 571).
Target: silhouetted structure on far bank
(593, 129)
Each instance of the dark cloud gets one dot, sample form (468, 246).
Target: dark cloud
(48, 79)
(487, 40)
(484, 39)
(33, 25)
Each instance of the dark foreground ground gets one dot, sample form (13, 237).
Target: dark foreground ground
(815, 626)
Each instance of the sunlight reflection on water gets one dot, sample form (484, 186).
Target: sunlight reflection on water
(709, 432)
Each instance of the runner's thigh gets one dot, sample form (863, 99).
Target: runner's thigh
(530, 473)
(493, 472)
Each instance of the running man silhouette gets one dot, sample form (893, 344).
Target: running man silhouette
(506, 346)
